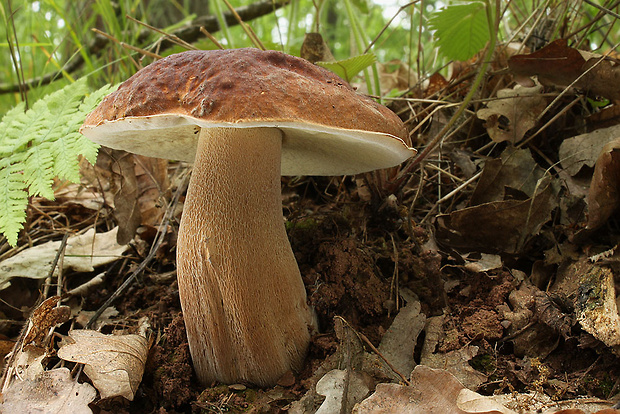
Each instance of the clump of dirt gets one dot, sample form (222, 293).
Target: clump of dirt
(169, 374)
(474, 317)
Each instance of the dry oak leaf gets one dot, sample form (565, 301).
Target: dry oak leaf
(513, 114)
(431, 391)
(114, 363)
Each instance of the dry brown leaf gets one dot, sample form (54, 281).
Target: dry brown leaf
(126, 208)
(51, 392)
(502, 226)
(516, 199)
(114, 363)
(583, 150)
(436, 83)
(515, 175)
(604, 195)
(560, 65)
(431, 391)
(396, 75)
(342, 389)
(484, 263)
(399, 341)
(47, 315)
(513, 114)
(528, 337)
(455, 362)
(138, 188)
(83, 253)
(314, 49)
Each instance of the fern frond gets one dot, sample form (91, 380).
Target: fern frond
(11, 130)
(38, 170)
(13, 199)
(40, 144)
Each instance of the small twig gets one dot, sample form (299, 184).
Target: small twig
(371, 44)
(376, 351)
(125, 45)
(459, 188)
(60, 254)
(412, 206)
(172, 37)
(246, 27)
(363, 338)
(211, 37)
(394, 279)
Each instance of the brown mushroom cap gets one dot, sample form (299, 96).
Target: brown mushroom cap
(328, 128)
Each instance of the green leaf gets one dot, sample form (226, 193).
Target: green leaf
(13, 199)
(348, 68)
(461, 30)
(40, 144)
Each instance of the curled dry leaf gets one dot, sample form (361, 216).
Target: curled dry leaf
(51, 392)
(528, 336)
(315, 49)
(114, 363)
(501, 226)
(141, 185)
(484, 263)
(513, 114)
(604, 195)
(515, 175)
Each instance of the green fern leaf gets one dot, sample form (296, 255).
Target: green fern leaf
(38, 170)
(13, 199)
(40, 144)
(13, 125)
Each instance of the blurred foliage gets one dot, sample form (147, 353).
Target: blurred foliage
(47, 36)
(51, 34)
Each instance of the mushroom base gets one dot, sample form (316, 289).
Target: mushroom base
(243, 299)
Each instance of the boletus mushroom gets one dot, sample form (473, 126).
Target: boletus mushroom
(245, 117)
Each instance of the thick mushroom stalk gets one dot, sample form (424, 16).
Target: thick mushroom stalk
(243, 299)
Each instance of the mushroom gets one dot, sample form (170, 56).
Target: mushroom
(245, 117)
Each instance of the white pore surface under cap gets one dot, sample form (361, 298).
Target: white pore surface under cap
(307, 149)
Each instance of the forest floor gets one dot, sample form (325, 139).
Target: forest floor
(488, 263)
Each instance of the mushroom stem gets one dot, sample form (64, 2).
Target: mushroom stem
(243, 299)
